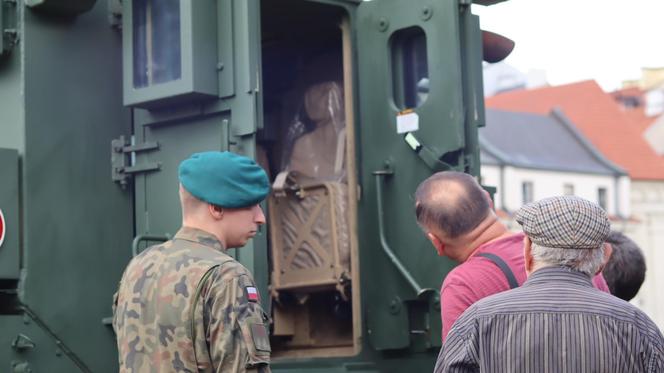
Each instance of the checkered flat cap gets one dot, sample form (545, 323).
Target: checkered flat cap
(565, 222)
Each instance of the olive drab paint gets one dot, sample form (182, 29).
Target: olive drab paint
(101, 100)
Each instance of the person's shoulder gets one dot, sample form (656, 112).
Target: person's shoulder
(625, 310)
(195, 252)
(147, 258)
(498, 302)
(459, 275)
(509, 245)
(475, 270)
(234, 267)
(230, 270)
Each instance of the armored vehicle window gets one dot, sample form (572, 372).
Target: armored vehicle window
(409, 67)
(156, 42)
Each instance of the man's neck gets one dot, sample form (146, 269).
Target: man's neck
(490, 229)
(210, 228)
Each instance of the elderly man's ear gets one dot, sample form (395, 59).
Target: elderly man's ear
(528, 254)
(608, 250)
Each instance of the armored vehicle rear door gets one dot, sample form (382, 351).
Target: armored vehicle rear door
(192, 76)
(413, 122)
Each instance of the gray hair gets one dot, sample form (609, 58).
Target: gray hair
(587, 261)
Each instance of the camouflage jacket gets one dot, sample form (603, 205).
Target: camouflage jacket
(186, 306)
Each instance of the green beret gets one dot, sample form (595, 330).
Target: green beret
(224, 179)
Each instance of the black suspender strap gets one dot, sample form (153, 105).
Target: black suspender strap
(503, 267)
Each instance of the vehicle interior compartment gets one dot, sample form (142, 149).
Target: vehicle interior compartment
(305, 147)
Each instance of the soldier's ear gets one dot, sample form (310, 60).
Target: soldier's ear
(217, 212)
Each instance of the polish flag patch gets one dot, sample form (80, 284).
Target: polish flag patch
(252, 294)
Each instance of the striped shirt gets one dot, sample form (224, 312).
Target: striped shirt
(555, 322)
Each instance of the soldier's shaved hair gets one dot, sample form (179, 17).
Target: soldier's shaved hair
(191, 206)
(452, 202)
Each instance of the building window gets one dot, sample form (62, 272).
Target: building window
(568, 189)
(601, 197)
(527, 192)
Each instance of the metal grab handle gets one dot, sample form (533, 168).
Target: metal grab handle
(383, 240)
(426, 155)
(145, 237)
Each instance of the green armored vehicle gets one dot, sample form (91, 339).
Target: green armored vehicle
(347, 104)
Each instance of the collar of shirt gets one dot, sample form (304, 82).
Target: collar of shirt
(498, 242)
(558, 274)
(199, 236)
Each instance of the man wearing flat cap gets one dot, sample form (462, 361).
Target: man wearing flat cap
(185, 305)
(556, 321)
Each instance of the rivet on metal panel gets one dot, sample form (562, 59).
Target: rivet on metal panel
(22, 342)
(395, 306)
(383, 24)
(426, 14)
(220, 66)
(20, 367)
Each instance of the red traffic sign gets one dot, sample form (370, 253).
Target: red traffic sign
(3, 228)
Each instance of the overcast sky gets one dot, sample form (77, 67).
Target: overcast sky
(572, 40)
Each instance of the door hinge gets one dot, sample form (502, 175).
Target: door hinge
(123, 159)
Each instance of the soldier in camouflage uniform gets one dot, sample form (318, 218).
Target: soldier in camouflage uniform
(185, 305)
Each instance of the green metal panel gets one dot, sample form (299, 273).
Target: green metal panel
(8, 32)
(77, 224)
(25, 346)
(9, 184)
(230, 123)
(11, 104)
(384, 151)
(199, 58)
(473, 88)
(61, 114)
(158, 209)
(3, 22)
(62, 7)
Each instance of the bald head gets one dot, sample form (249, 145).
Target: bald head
(451, 202)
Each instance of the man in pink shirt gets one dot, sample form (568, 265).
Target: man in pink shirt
(457, 216)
